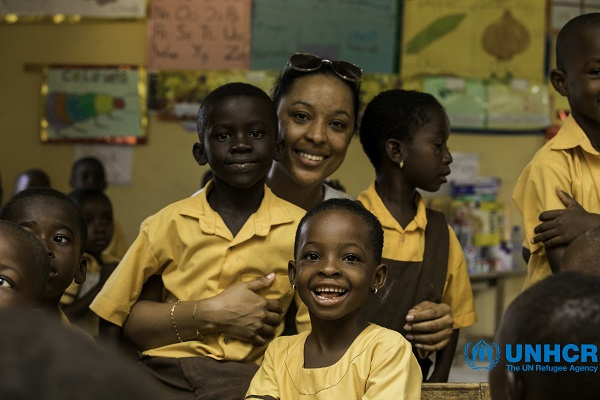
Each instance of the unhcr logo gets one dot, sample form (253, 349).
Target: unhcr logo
(481, 356)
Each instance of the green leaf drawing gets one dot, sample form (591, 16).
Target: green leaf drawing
(433, 32)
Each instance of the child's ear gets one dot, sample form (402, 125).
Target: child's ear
(559, 81)
(379, 277)
(279, 147)
(292, 272)
(81, 271)
(393, 149)
(199, 153)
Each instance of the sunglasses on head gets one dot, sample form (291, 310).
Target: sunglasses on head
(305, 62)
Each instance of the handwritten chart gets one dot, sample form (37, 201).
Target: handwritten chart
(199, 34)
(363, 32)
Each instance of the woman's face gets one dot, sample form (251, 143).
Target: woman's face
(316, 119)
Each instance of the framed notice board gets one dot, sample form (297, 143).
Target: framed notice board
(104, 104)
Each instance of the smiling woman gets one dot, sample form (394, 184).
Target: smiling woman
(317, 104)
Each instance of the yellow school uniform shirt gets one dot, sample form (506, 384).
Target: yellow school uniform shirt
(569, 162)
(379, 364)
(409, 244)
(190, 246)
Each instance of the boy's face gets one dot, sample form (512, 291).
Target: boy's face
(98, 215)
(427, 158)
(335, 266)
(57, 227)
(580, 79)
(240, 141)
(17, 272)
(88, 175)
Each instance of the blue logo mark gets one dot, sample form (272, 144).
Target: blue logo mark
(482, 352)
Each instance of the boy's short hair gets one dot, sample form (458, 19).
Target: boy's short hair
(80, 196)
(36, 248)
(229, 90)
(567, 42)
(87, 160)
(7, 211)
(393, 114)
(583, 253)
(43, 359)
(561, 309)
(371, 221)
(37, 178)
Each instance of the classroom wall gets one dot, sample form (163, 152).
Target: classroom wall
(164, 169)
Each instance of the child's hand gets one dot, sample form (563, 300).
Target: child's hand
(429, 325)
(245, 315)
(561, 227)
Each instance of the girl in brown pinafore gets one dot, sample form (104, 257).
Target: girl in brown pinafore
(405, 134)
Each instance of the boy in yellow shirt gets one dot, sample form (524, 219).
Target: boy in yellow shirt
(570, 162)
(221, 255)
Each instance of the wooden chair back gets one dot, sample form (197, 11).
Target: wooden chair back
(455, 391)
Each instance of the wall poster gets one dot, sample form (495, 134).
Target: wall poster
(70, 10)
(105, 104)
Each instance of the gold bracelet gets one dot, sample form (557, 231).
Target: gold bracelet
(173, 320)
(198, 336)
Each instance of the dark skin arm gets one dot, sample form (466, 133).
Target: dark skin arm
(429, 326)
(443, 360)
(561, 227)
(238, 312)
(80, 306)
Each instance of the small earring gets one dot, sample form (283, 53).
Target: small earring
(293, 286)
(374, 291)
(401, 164)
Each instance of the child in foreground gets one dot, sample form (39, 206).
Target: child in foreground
(24, 267)
(337, 264)
(56, 221)
(559, 311)
(405, 133)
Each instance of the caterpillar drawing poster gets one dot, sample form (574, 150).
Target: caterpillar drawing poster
(94, 104)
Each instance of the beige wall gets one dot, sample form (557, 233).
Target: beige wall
(163, 169)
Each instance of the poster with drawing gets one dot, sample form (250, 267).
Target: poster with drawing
(473, 38)
(113, 9)
(105, 104)
(199, 34)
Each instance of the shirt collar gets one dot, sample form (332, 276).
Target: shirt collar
(372, 201)
(272, 211)
(570, 136)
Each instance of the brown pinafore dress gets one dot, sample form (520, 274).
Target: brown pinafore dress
(409, 283)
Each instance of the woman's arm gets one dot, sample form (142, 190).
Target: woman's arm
(238, 311)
